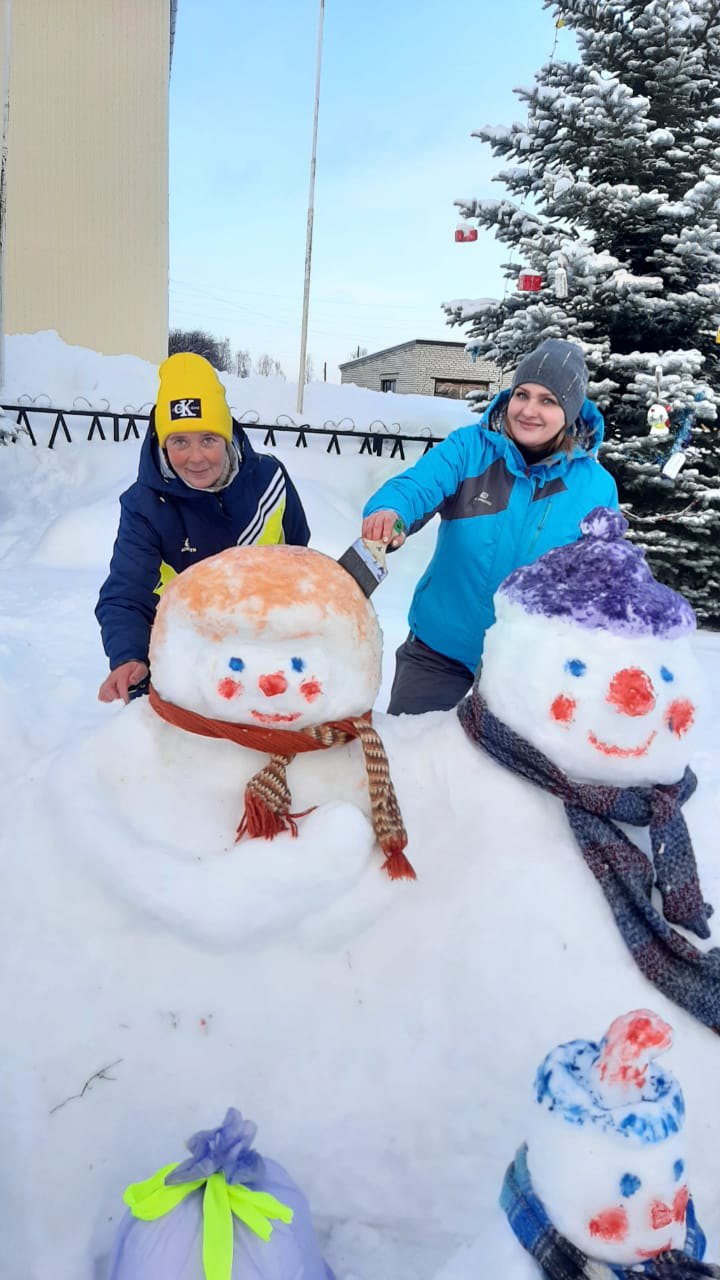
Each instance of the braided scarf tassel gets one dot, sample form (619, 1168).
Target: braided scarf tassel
(267, 795)
(267, 803)
(386, 816)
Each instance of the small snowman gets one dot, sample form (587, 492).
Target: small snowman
(604, 1167)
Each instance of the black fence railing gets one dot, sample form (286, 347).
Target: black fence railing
(105, 424)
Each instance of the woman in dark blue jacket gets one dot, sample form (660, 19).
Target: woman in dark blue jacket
(201, 488)
(507, 489)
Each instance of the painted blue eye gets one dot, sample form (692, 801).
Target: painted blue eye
(629, 1184)
(298, 664)
(236, 664)
(678, 1169)
(667, 676)
(576, 667)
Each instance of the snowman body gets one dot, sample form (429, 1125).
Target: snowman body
(259, 637)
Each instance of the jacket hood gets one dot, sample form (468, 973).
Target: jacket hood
(151, 474)
(587, 431)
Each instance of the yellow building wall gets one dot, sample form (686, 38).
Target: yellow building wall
(87, 191)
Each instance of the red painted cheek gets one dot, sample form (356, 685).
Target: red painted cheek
(310, 690)
(680, 716)
(228, 688)
(563, 709)
(273, 684)
(611, 1225)
(631, 691)
(680, 1204)
(660, 1215)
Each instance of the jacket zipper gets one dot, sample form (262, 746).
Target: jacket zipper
(540, 526)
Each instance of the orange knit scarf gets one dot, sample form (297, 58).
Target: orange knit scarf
(267, 795)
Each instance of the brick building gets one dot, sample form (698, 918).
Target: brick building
(423, 367)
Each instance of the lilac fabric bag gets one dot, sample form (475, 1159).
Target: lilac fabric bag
(224, 1214)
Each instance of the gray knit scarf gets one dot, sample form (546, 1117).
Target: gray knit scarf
(689, 977)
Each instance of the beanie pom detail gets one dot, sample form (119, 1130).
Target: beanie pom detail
(604, 524)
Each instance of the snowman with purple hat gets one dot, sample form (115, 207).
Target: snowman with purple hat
(588, 689)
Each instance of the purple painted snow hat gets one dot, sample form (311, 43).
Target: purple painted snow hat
(602, 582)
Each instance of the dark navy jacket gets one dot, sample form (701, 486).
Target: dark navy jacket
(165, 526)
(496, 513)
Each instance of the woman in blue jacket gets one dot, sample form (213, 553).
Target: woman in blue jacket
(201, 488)
(506, 489)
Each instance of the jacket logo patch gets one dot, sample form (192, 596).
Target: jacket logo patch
(186, 408)
(186, 547)
(483, 497)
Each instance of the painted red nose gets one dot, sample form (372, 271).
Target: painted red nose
(631, 692)
(273, 684)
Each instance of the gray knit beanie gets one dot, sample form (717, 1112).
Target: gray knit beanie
(559, 366)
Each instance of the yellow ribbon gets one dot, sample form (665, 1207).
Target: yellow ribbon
(152, 1199)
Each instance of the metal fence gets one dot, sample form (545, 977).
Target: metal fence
(58, 425)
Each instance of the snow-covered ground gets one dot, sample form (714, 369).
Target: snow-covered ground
(385, 1046)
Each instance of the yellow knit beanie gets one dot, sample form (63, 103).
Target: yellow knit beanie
(191, 397)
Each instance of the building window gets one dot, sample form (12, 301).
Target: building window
(388, 384)
(454, 389)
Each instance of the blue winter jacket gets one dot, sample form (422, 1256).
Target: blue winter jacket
(165, 526)
(496, 513)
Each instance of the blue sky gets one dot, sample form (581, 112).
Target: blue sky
(403, 86)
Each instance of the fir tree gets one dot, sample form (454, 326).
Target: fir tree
(613, 199)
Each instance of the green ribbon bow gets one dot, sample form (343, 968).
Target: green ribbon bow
(152, 1199)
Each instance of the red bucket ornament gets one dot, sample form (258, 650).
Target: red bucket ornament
(464, 237)
(529, 282)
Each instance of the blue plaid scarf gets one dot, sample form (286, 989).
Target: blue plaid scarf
(689, 977)
(559, 1259)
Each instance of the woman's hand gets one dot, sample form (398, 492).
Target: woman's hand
(380, 527)
(119, 681)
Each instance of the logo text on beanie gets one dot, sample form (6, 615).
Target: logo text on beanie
(185, 409)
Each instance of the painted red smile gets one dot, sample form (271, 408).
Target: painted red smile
(622, 753)
(275, 719)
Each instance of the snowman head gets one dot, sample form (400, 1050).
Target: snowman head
(280, 637)
(590, 659)
(605, 1149)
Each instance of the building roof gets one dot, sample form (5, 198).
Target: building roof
(402, 346)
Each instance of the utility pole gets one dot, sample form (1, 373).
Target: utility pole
(310, 217)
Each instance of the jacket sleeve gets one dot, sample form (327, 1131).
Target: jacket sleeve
(295, 526)
(127, 602)
(416, 494)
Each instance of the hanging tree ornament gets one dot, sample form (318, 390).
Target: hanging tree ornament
(529, 281)
(658, 421)
(678, 455)
(465, 235)
(561, 279)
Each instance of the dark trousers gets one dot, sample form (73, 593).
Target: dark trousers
(426, 680)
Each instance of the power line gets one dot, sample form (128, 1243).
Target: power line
(335, 302)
